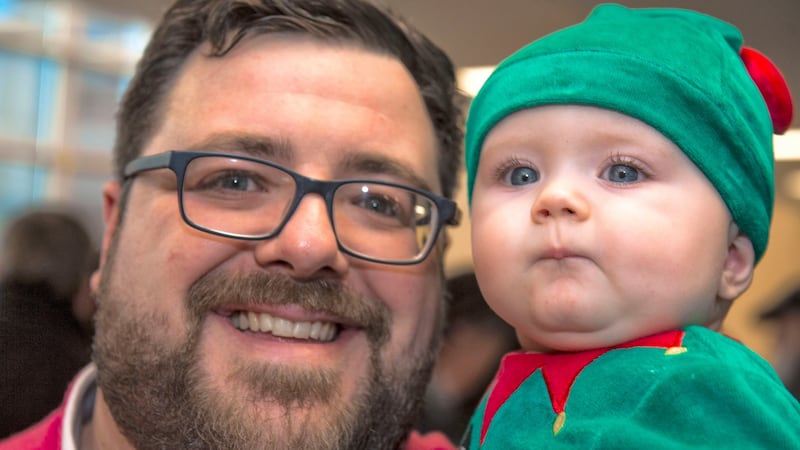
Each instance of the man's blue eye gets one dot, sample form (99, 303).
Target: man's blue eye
(231, 181)
(523, 175)
(623, 173)
(380, 205)
(236, 183)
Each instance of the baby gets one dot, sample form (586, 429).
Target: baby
(620, 175)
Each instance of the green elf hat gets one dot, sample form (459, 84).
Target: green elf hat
(681, 72)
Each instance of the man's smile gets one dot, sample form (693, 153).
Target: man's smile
(322, 331)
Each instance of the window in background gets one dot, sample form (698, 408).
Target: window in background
(63, 69)
(97, 95)
(21, 185)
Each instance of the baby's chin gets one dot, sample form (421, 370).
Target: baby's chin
(566, 340)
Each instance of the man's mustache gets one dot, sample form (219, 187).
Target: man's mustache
(217, 290)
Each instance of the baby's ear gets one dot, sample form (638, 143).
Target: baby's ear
(737, 273)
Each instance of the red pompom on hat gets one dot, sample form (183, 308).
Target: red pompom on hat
(773, 87)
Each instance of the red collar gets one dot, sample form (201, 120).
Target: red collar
(559, 371)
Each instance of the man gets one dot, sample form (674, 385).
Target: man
(233, 310)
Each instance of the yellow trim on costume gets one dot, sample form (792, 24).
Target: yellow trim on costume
(559, 423)
(675, 351)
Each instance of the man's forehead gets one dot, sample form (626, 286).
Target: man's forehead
(290, 42)
(281, 61)
(268, 78)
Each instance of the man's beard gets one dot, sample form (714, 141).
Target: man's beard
(161, 398)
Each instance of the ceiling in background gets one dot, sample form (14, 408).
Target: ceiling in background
(483, 32)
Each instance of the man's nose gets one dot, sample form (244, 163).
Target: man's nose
(306, 247)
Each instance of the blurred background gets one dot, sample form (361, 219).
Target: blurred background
(64, 65)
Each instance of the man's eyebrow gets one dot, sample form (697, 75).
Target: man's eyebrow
(279, 150)
(371, 163)
(252, 145)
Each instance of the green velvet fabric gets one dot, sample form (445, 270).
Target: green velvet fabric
(717, 394)
(676, 70)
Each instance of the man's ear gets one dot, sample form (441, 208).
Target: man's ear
(111, 205)
(737, 273)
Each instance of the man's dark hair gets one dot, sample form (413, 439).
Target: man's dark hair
(224, 23)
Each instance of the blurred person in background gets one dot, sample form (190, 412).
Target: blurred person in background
(786, 317)
(45, 313)
(475, 339)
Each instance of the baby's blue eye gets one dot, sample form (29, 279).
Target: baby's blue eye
(523, 175)
(623, 173)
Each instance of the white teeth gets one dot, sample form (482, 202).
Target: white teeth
(282, 327)
(313, 333)
(265, 323)
(329, 332)
(262, 322)
(302, 330)
(253, 319)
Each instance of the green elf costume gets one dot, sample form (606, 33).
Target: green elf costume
(687, 75)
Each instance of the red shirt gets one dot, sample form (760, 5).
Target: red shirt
(47, 434)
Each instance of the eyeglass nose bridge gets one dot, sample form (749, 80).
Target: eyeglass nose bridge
(305, 186)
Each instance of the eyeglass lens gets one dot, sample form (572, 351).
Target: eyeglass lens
(243, 198)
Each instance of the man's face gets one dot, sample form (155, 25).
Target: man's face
(173, 299)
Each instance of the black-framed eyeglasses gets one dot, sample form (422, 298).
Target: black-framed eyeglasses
(247, 198)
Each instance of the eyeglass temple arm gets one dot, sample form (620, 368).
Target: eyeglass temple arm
(454, 216)
(141, 164)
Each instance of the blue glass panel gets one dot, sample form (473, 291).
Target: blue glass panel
(97, 103)
(21, 186)
(19, 89)
(8, 9)
(49, 74)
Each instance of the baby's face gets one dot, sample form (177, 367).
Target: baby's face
(590, 228)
